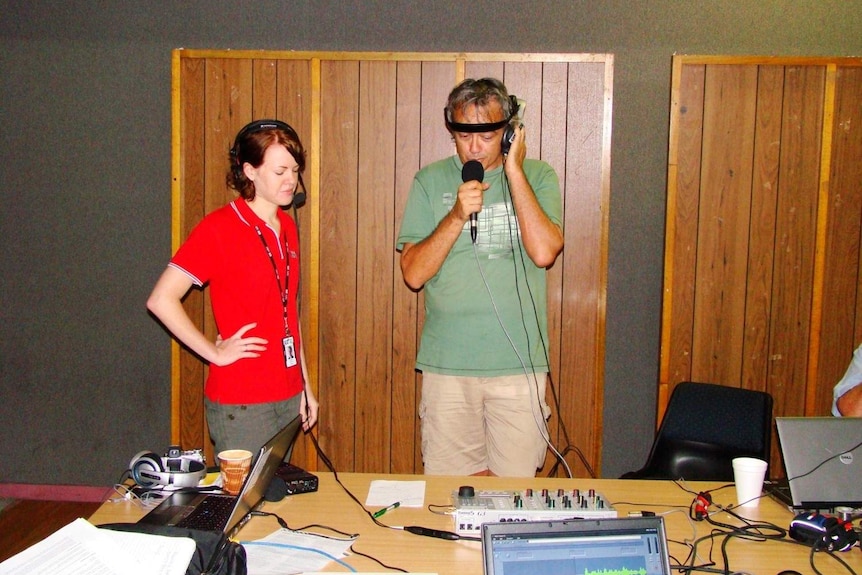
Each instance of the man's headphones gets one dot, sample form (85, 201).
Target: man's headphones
(300, 195)
(510, 123)
(509, 132)
(179, 469)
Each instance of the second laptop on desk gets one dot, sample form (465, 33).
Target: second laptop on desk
(822, 460)
(220, 512)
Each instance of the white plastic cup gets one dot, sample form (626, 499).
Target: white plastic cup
(748, 476)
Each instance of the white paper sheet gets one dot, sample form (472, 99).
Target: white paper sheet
(284, 551)
(407, 493)
(81, 548)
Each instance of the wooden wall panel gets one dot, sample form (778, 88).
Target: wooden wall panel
(375, 247)
(764, 194)
(338, 234)
(552, 108)
(723, 221)
(681, 231)
(759, 187)
(293, 105)
(369, 122)
(798, 186)
(585, 216)
(188, 406)
(264, 91)
(841, 327)
(405, 446)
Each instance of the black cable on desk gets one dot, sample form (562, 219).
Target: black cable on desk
(284, 525)
(378, 561)
(753, 531)
(415, 529)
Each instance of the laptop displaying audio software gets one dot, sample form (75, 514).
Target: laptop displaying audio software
(624, 545)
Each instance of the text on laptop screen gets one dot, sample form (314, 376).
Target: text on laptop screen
(609, 553)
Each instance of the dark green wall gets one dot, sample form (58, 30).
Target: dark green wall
(85, 176)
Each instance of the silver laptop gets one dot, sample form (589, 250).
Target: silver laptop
(221, 512)
(609, 545)
(822, 460)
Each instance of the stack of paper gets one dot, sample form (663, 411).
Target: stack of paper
(82, 548)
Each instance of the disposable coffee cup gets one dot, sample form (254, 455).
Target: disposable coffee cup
(234, 465)
(748, 475)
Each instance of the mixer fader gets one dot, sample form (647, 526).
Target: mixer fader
(473, 508)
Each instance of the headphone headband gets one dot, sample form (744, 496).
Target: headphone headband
(260, 126)
(485, 127)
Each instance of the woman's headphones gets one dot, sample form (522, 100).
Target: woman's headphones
(300, 195)
(259, 126)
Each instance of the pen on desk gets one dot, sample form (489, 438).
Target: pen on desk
(380, 512)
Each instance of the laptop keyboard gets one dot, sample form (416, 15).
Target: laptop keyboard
(211, 514)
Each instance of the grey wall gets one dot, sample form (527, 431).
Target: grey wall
(85, 176)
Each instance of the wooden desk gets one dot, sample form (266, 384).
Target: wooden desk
(332, 507)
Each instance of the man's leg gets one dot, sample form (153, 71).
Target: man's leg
(453, 434)
(516, 415)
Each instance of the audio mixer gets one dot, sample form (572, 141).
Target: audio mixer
(473, 508)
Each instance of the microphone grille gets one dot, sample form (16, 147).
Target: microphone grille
(472, 170)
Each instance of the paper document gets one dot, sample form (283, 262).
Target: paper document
(385, 492)
(81, 548)
(301, 551)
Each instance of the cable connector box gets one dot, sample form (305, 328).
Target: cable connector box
(296, 479)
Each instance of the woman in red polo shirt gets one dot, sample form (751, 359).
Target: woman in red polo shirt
(248, 254)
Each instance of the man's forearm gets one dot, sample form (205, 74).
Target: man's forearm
(850, 404)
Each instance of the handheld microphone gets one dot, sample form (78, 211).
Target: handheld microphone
(473, 170)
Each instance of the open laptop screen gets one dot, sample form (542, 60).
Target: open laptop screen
(633, 545)
(822, 460)
(263, 470)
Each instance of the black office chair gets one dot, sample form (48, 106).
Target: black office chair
(704, 427)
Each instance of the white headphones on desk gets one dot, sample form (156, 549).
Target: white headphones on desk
(178, 469)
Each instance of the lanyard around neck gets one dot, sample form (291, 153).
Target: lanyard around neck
(282, 291)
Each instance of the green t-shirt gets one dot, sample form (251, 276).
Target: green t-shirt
(485, 311)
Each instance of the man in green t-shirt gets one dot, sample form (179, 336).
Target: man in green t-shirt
(478, 239)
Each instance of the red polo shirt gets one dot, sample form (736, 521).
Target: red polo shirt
(225, 251)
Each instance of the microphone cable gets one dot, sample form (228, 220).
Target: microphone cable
(529, 373)
(415, 529)
(514, 242)
(517, 254)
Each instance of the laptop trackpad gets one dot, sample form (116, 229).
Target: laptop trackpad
(172, 511)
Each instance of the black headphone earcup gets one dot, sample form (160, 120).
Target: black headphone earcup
(509, 132)
(145, 461)
(508, 136)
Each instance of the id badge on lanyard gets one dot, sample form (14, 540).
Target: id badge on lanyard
(289, 351)
(288, 345)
